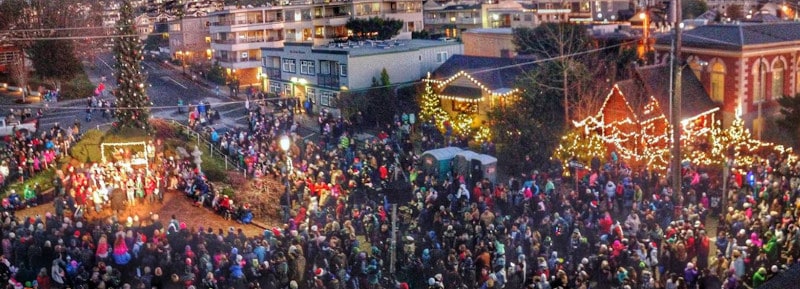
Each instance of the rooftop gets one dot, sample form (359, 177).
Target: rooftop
(494, 72)
(508, 31)
(736, 36)
(374, 47)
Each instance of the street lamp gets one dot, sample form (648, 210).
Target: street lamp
(285, 144)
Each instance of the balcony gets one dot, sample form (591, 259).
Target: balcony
(239, 62)
(442, 21)
(247, 44)
(328, 80)
(243, 25)
(272, 72)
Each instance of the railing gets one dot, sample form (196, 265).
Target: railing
(405, 10)
(201, 139)
(328, 80)
(236, 59)
(245, 22)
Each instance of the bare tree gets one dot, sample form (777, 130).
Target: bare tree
(19, 74)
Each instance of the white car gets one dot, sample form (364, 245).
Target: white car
(9, 128)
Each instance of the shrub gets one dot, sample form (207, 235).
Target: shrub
(163, 129)
(88, 148)
(78, 87)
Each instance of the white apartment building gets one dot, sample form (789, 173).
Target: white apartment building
(320, 73)
(238, 34)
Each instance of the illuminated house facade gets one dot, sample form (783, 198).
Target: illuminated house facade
(473, 85)
(634, 118)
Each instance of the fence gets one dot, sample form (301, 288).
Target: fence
(201, 139)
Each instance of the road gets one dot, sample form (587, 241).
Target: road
(165, 86)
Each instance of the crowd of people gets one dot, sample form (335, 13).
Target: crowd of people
(617, 228)
(24, 154)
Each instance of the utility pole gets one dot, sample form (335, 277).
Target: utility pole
(677, 127)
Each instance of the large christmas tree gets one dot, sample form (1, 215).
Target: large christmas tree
(132, 101)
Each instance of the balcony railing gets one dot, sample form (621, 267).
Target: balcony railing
(272, 72)
(249, 40)
(328, 80)
(237, 59)
(246, 22)
(405, 10)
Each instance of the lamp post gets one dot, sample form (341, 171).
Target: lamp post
(285, 144)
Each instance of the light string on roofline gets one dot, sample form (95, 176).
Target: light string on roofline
(648, 142)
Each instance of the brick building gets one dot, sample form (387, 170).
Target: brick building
(749, 66)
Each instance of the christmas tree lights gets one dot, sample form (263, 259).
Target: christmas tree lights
(132, 100)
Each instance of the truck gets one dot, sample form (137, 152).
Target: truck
(9, 128)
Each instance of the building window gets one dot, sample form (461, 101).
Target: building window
(777, 79)
(759, 81)
(327, 98)
(343, 69)
(797, 81)
(275, 87)
(307, 67)
(441, 57)
(465, 107)
(289, 65)
(718, 82)
(311, 94)
(287, 90)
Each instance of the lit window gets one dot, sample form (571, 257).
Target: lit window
(777, 79)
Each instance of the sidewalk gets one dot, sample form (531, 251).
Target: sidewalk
(202, 82)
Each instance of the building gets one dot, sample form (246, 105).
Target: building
(634, 122)
(451, 19)
(110, 14)
(189, 39)
(489, 42)
(511, 14)
(9, 54)
(238, 34)
(474, 85)
(749, 66)
(144, 25)
(320, 73)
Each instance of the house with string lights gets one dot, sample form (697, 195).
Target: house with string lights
(470, 86)
(634, 123)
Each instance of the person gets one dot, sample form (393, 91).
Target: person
(180, 105)
(88, 113)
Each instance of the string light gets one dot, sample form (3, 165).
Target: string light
(638, 139)
(462, 124)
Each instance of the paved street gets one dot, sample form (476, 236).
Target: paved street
(167, 85)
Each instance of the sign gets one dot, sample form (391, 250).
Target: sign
(576, 164)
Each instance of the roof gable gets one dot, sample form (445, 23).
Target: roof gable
(492, 72)
(656, 82)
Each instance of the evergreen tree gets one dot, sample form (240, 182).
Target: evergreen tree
(430, 109)
(132, 100)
